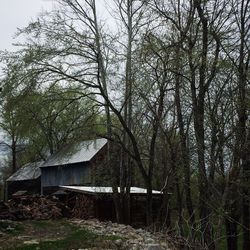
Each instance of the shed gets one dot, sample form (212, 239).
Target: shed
(107, 190)
(27, 178)
(97, 202)
(75, 164)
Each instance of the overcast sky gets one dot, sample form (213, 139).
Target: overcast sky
(18, 13)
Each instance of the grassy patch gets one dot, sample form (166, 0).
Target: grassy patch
(112, 237)
(81, 238)
(41, 223)
(11, 228)
(48, 225)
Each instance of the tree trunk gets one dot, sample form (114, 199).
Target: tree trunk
(14, 156)
(103, 86)
(149, 203)
(231, 231)
(242, 117)
(128, 106)
(246, 194)
(184, 149)
(198, 111)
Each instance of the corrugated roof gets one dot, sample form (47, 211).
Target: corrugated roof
(80, 152)
(29, 171)
(105, 190)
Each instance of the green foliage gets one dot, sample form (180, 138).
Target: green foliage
(44, 118)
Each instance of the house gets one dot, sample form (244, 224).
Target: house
(80, 164)
(79, 175)
(27, 180)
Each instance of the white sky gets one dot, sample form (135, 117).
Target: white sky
(18, 13)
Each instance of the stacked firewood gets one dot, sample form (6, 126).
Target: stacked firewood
(83, 207)
(33, 208)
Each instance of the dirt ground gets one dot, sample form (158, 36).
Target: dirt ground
(60, 234)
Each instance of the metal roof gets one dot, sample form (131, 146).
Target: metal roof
(80, 152)
(105, 190)
(29, 171)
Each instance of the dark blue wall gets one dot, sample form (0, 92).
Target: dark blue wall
(73, 174)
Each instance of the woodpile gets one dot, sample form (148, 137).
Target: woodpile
(83, 207)
(33, 208)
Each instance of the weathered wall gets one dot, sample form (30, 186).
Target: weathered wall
(73, 174)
